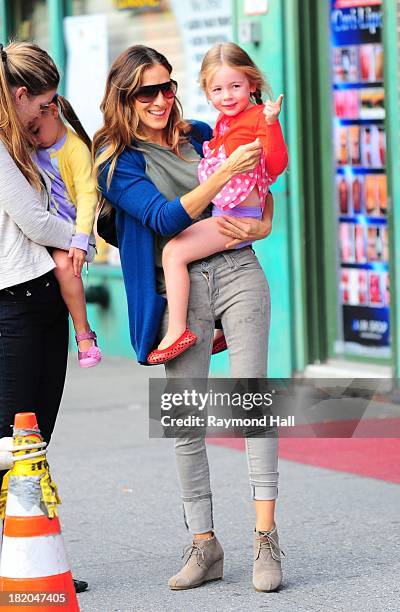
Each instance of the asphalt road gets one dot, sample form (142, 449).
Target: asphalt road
(124, 531)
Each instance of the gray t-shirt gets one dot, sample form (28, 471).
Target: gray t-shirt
(173, 177)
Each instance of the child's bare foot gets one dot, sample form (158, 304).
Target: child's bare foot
(170, 337)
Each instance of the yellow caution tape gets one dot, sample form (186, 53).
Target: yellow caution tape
(50, 495)
(23, 441)
(37, 466)
(30, 467)
(3, 495)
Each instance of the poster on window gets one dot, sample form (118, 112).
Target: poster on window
(360, 185)
(87, 46)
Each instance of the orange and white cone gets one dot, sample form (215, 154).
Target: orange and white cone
(6, 463)
(33, 560)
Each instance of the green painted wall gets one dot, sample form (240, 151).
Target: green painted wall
(55, 10)
(392, 102)
(296, 201)
(4, 21)
(275, 252)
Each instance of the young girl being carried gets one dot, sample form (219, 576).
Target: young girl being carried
(64, 156)
(233, 84)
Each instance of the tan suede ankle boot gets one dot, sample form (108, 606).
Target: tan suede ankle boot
(204, 563)
(267, 570)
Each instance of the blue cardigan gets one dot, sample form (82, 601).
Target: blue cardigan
(142, 211)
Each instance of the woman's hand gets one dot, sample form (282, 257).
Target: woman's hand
(244, 229)
(78, 257)
(247, 228)
(246, 157)
(272, 110)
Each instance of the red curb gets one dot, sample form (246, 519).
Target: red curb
(372, 457)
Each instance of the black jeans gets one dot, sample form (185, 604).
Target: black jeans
(33, 352)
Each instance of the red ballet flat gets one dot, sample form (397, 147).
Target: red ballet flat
(185, 341)
(219, 345)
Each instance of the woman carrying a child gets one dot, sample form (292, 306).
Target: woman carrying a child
(147, 160)
(33, 314)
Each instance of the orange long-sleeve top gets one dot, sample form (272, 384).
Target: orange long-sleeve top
(246, 127)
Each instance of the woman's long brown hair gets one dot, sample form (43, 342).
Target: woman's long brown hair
(121, 122)
(23, 64)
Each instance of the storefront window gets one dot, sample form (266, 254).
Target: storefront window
(149, 22)
(182, 35)
(361, 186)
(31, 21)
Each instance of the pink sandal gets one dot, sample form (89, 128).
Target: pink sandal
(92, 356)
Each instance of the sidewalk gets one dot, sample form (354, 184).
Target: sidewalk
(124, 531)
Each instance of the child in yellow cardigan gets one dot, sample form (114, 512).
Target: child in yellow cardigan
(64, 155)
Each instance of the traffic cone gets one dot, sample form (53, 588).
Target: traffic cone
(6, 462)
(33, 561)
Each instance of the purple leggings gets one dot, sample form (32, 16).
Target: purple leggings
(254, 212)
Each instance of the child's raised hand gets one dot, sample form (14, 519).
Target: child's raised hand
(272, 110)
(78, 257)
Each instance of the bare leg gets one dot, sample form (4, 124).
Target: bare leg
(265, 511)
(197, 241)
(73, 295)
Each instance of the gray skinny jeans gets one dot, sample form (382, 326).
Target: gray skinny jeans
(230, 286)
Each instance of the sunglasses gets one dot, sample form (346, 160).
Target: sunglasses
(149, 93)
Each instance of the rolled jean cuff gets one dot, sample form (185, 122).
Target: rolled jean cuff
(264, 493)
(198, 513)
(264, 486)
